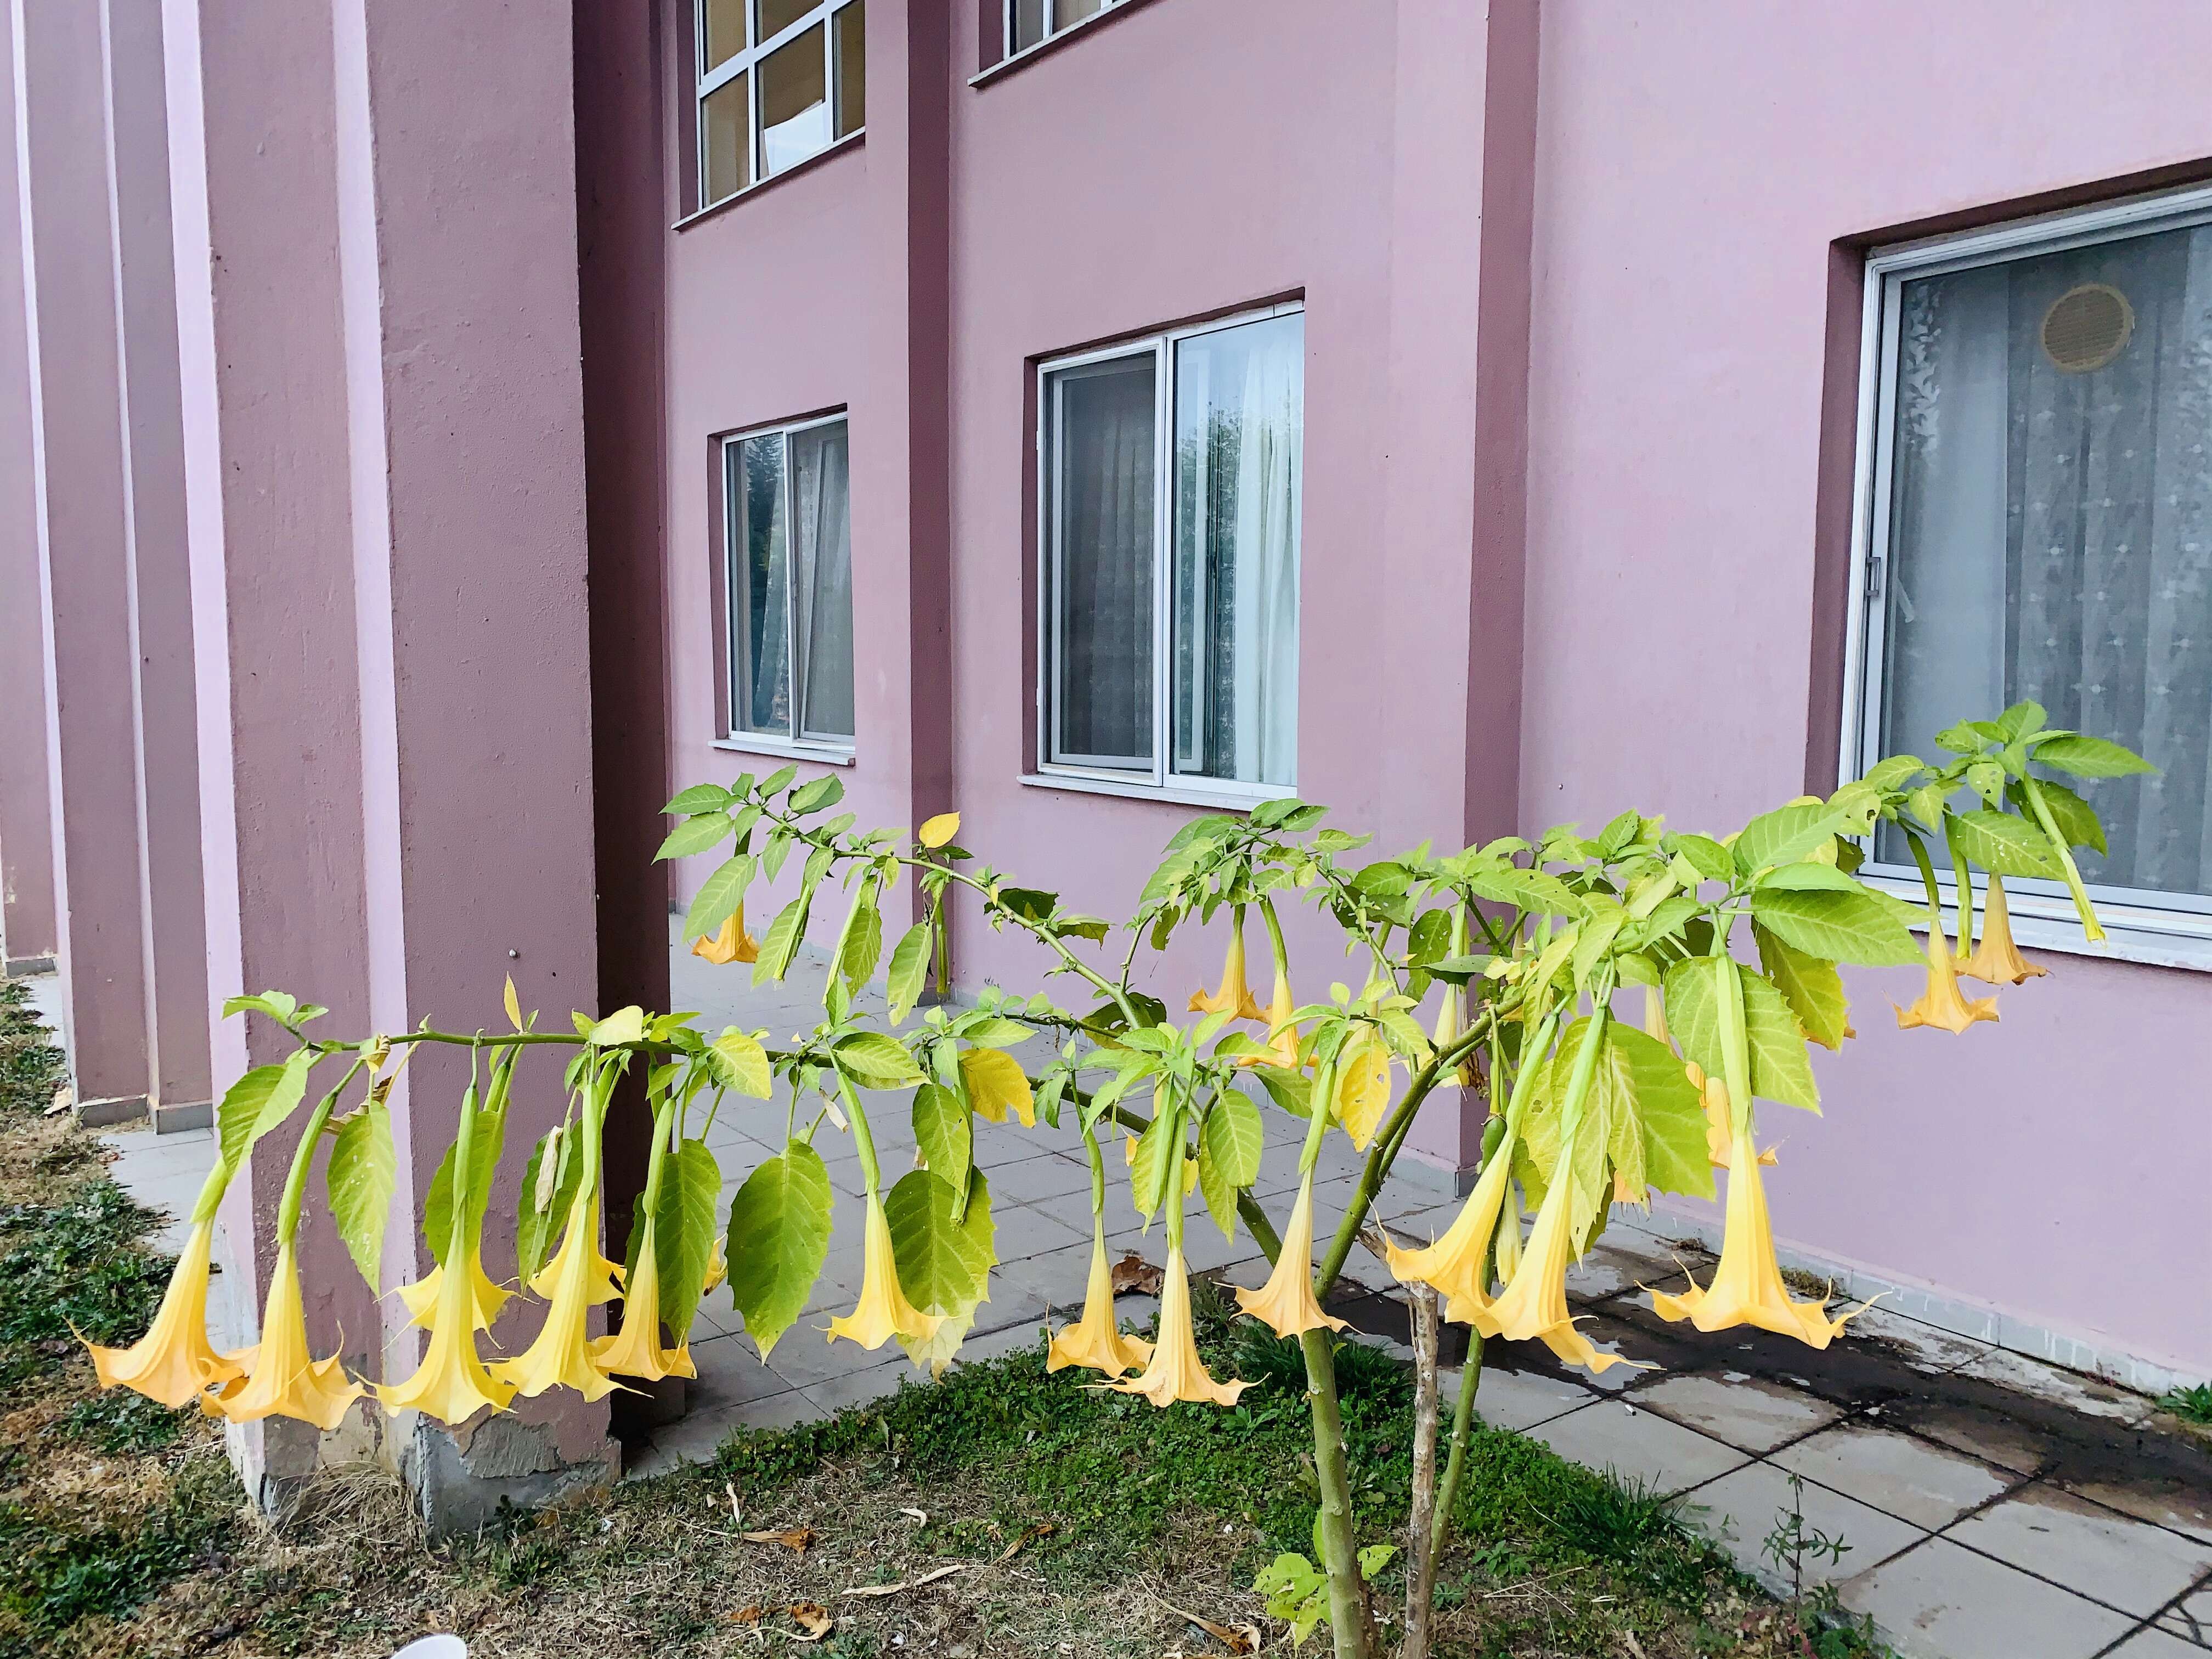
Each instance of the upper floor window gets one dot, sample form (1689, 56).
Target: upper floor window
(2040, 520)
(1031, 23)
(790, 581)
(1169, 491)
(779, 81)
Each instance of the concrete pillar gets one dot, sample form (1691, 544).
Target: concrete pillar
(385, 463)
(28, 933)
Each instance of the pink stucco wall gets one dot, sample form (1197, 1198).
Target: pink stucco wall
(1695, 165)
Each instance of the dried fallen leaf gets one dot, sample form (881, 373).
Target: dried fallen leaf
(1134, 1275)
(929, 1577)
(751, 1615)
(1635, 1647)
(737, 1514)
(1237, 1638)
(812, 1619)
(1042, 1529)
(920, 1518)
(798, 1539)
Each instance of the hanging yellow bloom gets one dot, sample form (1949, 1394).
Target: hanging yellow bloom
(1234, 996)
(718, 1267)
(1533, 1306)
(1996, 960)
(173, 1361)
(1451, 1025)
(1175, 1372)
(1509, 1245)
(1454, 1265)
(1747, 1287)
(575, 1281)
(1719, 1121)
(283, 1379)
(1941, 1004)
(731, 943)
(453, 1384)
(882, 1311)
(422, 1298)
(1286, 1304)
(1096, 1342)
(635, 1350)
(1654, 1014)
(1283, 1043)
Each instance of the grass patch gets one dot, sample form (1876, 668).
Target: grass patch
(2190, 1404)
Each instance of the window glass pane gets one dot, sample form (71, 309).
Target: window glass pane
(794, 103)
(852, 26)
(1029, 23)
(777, 15)
(722, 140)
(1239, 448)
(1065, 12)
(2051, 525)
(760, 596)
(1103, 539)
(724, 35)
(822, 534)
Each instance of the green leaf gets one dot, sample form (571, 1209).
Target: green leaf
(1229, 1142)
(1844, 923)
(701, 798)
(2090, 757)
(781, 944)
(2004, 845)
(258, 1103)
(1703, 854)
(1809, 984)
(623, 1025)
(280, 1006)
(909, 971)
(1158, 1148)
(718, 896)
(2075, 818)
(1287, 1088)
(1028, 903)
(486, 1140)
(2022, 720)
(779, 1236)
(1786, 836)
(738, 1061)
(1780, 1070)
(994, 1032)
(683, 1231)
(816, 794)
(943, 1262)
(362, 1173)
(876, 1061)
(1669, 1111)
(943, 1132)
(537, 1227)
(864, 945)
(698, 835)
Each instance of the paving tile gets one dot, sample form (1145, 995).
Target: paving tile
(1927, 1485)
(1638, 1446)
(2125, 1564)
(1027, 1229)
(1046, 1180)
(730, 1374)
(858, 1388)
(2191, 1616)
(994, 1344)
(1983, 1433)
(1754, 1415)
(805, 1356)
(2076, 1392)
(1742, 1509)
(1609, 1271)
(2162, 1501)
(1058, 1278)
(2156, 1642)
(1941, 1600)
(1921, 1346)
(1518, 1399)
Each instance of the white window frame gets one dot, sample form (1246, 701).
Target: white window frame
(1054, 28)
(835, 751)
(2174, 930)
(750, 58)
(1161, 782)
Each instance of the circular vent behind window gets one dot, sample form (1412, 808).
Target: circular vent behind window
(2087, 327)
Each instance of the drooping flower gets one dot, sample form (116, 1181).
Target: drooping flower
(1533, 1306)
(1175, 1372)
(422, 1297)
(453, 1384)
(283, 1378)
(1234, 996)
(1285, 1303)
(882, 1311)
(577, 1279)
(1283, 1040)
(717, 1268)
(731, 943)
(173, 1361)
(1941, 1004)
(636, 1350)
(1747, 1287)
(1455, 1265)
(1720, 1127)
(1095, 1342)
(1997, 960)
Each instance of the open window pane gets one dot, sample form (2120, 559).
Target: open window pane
(1240, 418)
(2051, 525)
(794, 102)
(1103, 511)
(822, 532)
(726, 166)
(760, 589)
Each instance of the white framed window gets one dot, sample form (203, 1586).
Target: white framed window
(1170, 473)
(2034, 521)
(789, 577)
(779, 81)
(1032, 23)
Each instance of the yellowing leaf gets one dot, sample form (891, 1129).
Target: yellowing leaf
(513, 1005)
(1363, 1088)
(940, 830)
(795, 1539)
(995, 1082)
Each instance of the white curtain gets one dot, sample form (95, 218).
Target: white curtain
(821, 511)
(1103, 605)
(761, 590)
(2052, 530)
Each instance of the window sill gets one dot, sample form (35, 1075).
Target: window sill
(2040, 921)
(1241, 799)
(827, 754)
(1078, 30)
(850, 141)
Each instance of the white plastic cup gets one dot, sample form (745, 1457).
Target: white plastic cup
(434, 1647)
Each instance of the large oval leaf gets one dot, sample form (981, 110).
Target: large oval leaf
(779, 1236)
(943, 1132)
(943, 1264)
(996, 1084)
(683, 1231)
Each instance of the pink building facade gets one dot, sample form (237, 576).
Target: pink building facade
(1082, 415)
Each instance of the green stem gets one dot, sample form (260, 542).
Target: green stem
(1964, 880)
(1470, 1379)
(863, 1142)
(1347, 1591)
(295, 1181)
(2091, 929)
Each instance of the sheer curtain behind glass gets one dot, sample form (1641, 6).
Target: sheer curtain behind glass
(760, 589)
(822, 535)
(1240, 418)
(2051, 524)
(1103, 569)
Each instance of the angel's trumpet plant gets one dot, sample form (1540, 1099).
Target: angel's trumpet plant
(1234, 996)
(729, 943)
(1173, 1370)
(577, 1279)
(1941, 1004)
(636, 1350)
(1997, 960)
(174, 1360)
(1285, 1303)
(424, 1297)
(1096, 1341)
(882, 1311)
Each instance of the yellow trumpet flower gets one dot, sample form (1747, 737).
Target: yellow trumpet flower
(575, 1280)
(717, 1268)
(1719, 1121)
(1234, 996)
(1283, 1045)
(1509, 1245)
(1533, 1306)
(1175, 1372)
(882, 1311)
(1747, 1287)
(1454, 1264)
(422, 1298)
(173, 1361)
(1941, 1005)
(1451, 1025)
(1286, 1304)
(1996, 960)
(453, 1384)
(283, 1379)
(635, 1350)
(1096, 1342)
(731, 943)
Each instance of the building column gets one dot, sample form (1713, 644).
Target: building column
(377, 280)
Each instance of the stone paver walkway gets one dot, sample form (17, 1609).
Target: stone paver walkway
(1994, 1507)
